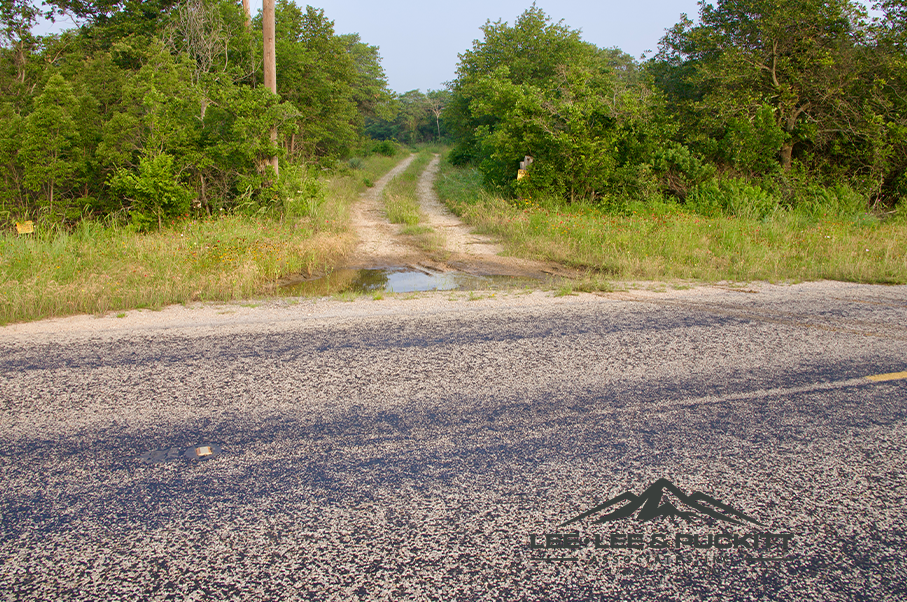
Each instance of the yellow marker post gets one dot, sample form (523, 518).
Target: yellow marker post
(25, 227)
(892, 376)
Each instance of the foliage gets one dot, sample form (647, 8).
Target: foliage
(585, 116)
(666, 241)
(154, 191)
(780, 96)
(317, 75)
(531, 52)
(162, 97)
(386, 148)
(733, 196)
(413, 117)
(791, 56)
(370, 90)
(96, 267)
(48, 151)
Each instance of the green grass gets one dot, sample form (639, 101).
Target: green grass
(96, 269)
(374, 167)
(401, 203)
(401, 200)
(665, 242)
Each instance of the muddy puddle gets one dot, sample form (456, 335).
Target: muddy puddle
(401, 280)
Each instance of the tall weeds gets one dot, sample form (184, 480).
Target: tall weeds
(96, 268)
(658, 241)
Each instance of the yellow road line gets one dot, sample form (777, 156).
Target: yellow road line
(893, 376)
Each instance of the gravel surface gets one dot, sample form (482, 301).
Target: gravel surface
(431, 448)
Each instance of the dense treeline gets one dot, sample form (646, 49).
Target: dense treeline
(415, 118)
(760, 104)
(152, 109)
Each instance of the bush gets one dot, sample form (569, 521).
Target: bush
(462, 154)
(839, 200)
(303, 193)
(732, 196)
(387, 148)
(154, 192)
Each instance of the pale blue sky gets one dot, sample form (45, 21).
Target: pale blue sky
(420, 40)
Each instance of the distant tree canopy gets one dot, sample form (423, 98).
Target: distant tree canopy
(412, 117)
(152, 108)
(779, 92)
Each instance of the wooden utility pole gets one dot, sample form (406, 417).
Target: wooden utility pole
(270, 56)
(248, 10)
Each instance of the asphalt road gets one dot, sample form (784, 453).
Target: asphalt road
(432, 449)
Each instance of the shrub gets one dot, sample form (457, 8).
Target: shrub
(386, 147)
(733, 196)
(839, 200)
(154, 192)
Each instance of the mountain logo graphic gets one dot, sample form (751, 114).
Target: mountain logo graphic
(651, 506)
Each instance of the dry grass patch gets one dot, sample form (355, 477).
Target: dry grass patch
(95, 269)
(663, 242)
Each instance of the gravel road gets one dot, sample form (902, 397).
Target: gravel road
(432, 448)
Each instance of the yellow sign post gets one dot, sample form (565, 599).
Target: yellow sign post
(524, 165)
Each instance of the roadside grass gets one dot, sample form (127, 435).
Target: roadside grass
(97, 269)
(665, 242)
(375, 166)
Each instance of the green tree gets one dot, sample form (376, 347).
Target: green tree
(370, 91)
(17, 18)
(412, 114)
(153, 191)
(318, 75)
(50, 138)
(532, 50)
(882, 149)
(12, 192)
(159, 96)
(585, 115)
(790, 55)
(414, 117)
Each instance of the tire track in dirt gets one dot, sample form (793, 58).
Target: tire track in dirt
(458, 237)
(378, 238)
(382, 244)
(466, 251)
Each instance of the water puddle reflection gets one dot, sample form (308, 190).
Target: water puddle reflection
(401, 280)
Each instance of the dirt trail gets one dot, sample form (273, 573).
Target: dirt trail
(378, 244)
(457, 235)
(381, 243)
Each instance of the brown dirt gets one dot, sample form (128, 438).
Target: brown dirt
(456, 248)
